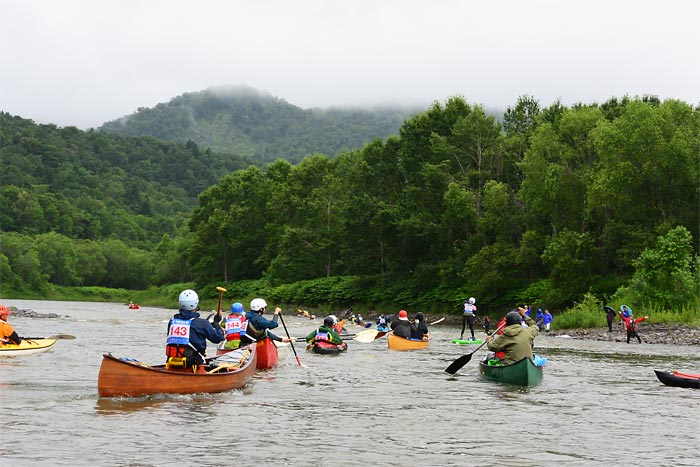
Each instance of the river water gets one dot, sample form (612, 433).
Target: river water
(599, 404)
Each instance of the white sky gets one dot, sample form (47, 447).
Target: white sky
(84, 62)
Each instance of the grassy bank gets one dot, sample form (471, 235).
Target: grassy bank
(589, 313)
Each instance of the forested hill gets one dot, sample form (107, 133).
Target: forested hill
(242, 120)
(92, 185)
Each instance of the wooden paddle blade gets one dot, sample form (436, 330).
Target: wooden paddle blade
(437, 321)
(366, 336)
(458, 364)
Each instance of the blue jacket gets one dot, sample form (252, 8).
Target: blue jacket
(261, 326)
(200, 330)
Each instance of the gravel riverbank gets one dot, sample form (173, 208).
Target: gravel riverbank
(650, 333)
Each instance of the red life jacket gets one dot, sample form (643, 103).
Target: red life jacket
(235, 326)
(322, 336)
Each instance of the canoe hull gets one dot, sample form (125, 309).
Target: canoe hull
(26, 347)
(267, 355)
(121, 378)
(395, 342)
(678, 380)
(326, 348)
(520, 373)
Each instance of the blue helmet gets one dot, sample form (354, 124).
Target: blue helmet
(237, 308)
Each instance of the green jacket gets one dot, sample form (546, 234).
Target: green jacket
(333, 336)
(516, 341)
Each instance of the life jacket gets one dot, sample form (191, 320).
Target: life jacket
(501, 323)
(469, 309)
(178, 348)
(235, 327)
(322, 336)
(252, 332)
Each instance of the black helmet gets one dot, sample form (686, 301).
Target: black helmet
(419, 316)
(328, 321)
(513, 317)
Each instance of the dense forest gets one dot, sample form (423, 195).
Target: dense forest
(242, 120)
(545, 206)
(79, 208)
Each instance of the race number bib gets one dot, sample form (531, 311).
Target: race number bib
(179, 332)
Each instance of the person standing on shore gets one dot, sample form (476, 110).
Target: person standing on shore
(631, 326)
(547, 320)
(539, 319)
(610, 316)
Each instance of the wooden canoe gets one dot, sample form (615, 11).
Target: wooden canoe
(129, 378)
(521, 373)
(26, 347)
(267, 354)
(401, 343)
(679, 380)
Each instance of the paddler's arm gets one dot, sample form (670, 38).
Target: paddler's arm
(14, 338)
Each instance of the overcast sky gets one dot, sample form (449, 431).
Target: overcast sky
(82, 63)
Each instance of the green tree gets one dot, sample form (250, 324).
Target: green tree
(663, 275)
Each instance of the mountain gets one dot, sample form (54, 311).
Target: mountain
(247, 122)
(93, 185)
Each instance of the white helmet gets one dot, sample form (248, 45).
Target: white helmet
(189, 300)
(258, 304)
(334, 318)
(472, 300)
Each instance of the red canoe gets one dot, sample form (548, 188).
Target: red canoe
(267, 354)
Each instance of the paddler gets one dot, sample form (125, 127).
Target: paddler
(8, 335)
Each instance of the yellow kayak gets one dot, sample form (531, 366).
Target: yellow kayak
(26, 347)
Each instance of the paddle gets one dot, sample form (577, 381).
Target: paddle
(464, 359)
(221, 293)
(438, 321)
(56, 336)
(290, 339)
(366, 336)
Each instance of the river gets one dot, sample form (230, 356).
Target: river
(599, 404)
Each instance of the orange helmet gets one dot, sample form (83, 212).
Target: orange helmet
(4, 310)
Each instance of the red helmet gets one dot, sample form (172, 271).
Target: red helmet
(4, 310)
(403, 314)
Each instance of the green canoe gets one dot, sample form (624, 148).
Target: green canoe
(520, 373)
